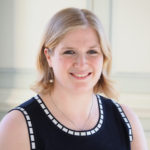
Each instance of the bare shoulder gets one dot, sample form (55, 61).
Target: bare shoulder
(14, 132)
(139, 140)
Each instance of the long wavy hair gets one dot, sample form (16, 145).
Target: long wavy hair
(59, 25)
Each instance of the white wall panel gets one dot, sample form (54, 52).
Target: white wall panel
(131, 36)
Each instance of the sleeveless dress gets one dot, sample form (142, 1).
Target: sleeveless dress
(112, 131)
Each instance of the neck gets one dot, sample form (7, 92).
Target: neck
(73, 99)
(72, 107)
(73, 104)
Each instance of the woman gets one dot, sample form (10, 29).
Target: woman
(74, 64)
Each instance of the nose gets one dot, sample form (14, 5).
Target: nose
(80, 61)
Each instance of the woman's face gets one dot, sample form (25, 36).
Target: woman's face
(77, 61)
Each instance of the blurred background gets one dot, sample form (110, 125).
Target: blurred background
(126, 23)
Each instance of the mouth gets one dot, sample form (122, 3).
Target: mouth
(81, 76)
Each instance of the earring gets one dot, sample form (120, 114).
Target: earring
(51, 80)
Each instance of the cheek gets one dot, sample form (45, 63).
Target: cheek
(65, 60)
(98, 62)
(62, 63)
(101, 62)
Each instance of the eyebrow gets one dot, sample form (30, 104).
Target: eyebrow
(69, 47)
(95, 46)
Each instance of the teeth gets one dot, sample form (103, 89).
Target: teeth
(81, 75)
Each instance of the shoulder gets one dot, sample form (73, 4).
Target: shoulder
(139, 141)
(13, 132)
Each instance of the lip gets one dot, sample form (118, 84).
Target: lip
(81, 76)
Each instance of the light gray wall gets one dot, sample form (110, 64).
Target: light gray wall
(6, 33)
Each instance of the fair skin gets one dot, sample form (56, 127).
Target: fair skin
(76, 58)
(139, 140)
(75, 62)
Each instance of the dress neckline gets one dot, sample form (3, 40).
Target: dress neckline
(67, 130)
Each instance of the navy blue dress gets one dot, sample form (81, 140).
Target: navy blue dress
(112, 131)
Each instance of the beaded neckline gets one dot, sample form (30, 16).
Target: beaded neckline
(70, 131)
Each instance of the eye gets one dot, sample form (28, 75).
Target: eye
(92, 52)
(69, 52)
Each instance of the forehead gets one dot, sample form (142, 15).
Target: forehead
(81, 35)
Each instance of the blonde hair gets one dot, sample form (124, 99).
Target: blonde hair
(60, 24)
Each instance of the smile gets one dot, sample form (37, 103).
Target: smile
(81, 76)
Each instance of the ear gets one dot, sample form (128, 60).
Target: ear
(47, 55)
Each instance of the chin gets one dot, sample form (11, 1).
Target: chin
(82, 88)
